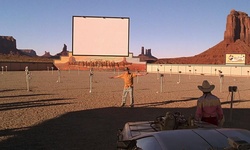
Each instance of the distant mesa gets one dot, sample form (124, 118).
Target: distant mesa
(64, 52)
(8, 47)
(29, 52)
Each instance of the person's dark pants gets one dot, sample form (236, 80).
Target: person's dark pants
(211, 120)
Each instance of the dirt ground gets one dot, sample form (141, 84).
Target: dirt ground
(65, 115)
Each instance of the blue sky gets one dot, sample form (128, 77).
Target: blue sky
(170, 28)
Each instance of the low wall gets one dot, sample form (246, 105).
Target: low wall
(20, 66)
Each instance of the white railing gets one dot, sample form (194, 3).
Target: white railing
(194, 69)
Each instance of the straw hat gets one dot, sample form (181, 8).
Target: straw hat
(206, 86)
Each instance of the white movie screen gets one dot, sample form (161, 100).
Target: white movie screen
(100, 36)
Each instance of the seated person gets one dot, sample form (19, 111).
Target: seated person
(208, 105)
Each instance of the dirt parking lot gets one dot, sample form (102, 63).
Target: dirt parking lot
(66, 115)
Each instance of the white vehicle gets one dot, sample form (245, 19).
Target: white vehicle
(178, 133)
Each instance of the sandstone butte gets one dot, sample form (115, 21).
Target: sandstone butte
(236, 41)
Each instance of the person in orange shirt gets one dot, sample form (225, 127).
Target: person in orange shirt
(127, 76)
(208, 105)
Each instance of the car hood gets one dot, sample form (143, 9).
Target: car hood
(219, 138)
(203, 137)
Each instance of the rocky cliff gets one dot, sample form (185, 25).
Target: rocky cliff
(8, 45)
(147, 57)
(237, 27)
(64, 51)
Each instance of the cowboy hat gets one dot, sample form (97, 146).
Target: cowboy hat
(206, 86)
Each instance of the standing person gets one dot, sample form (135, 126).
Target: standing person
(208, 105)
(127, 76)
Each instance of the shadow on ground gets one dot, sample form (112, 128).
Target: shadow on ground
(94, 129)
(31, 104)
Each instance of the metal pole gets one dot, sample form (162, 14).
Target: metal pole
(161, 83)
(221, 76)
(52, 69)
(137, 77)
(90, 84)
(231, 107)
(59, 76)
(27, 78)
(90, 80)
(157, 75)
(179, 77)
(221, 82)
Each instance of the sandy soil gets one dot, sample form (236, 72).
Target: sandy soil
(66, 115)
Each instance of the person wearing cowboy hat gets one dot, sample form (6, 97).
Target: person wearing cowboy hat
(208, 105)
(127, 76)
